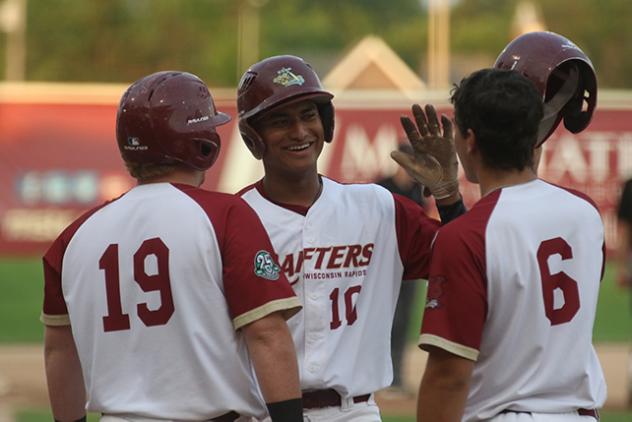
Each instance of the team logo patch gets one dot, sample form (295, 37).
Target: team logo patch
(435, 291)
(265, 267)
(285, 77)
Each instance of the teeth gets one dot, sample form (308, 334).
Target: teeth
(299, 147)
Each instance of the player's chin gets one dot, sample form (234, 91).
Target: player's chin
(300, 165)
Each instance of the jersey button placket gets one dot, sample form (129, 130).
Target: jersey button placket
(314, 308)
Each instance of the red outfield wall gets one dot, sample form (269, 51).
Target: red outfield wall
(59, 158)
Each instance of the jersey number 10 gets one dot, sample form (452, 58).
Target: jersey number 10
(116, 320)
(351, 314)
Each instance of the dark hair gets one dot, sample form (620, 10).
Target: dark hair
(503, 109)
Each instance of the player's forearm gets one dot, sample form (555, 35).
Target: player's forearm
(274, 358)
(63, 374)
(438, 404)
(444, 388)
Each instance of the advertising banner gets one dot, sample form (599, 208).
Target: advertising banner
(59, 159)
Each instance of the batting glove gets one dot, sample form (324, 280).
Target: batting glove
(434, 163)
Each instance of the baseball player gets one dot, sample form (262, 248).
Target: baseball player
(513, 283)
(155, 301)
(345, 248)
(624, 235)
(563, 75)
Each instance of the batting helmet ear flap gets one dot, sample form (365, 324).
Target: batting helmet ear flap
(579, 109)
(252, 139)
(327, 113)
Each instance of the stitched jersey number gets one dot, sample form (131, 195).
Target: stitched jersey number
(350, 310)
(560, 280)
(116, 320)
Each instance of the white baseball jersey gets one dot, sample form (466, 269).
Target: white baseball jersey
(154, 285)
(346, 256)
(513, 286)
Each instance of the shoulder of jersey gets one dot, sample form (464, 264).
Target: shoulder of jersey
(246, 189)
(203, 194)
(576, 193)
(72, 228)
(475, 218)
(355, 186)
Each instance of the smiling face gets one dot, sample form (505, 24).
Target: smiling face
(294, 138)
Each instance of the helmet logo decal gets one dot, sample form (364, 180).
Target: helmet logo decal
(265, 267)
(569, 45)
(286, 77)
(133, 144)
(198, 119)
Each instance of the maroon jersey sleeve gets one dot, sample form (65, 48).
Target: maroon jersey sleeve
(254, 285)
(456, 304)
(415, 233)
(54, 311)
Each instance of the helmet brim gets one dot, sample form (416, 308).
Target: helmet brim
(318, 96)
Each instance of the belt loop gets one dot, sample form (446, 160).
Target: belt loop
(371, 399)
(346, 403)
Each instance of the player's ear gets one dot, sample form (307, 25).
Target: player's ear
(470, 142)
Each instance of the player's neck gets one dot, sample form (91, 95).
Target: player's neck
(184, 176)
(490, 180)
(294, 191)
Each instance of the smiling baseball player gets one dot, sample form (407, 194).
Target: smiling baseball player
(344, 247)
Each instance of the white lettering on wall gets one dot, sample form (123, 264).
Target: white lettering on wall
(363, 159)
(567, 157)
(624, 155)
(599, 145)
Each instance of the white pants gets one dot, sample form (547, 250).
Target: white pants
(112, 418)
(367, 411)
(541, 417)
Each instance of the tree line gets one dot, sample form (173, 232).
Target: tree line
(121, 40)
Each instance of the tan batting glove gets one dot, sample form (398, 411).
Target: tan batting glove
(434, 163)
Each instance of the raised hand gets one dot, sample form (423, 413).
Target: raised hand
(434, 163)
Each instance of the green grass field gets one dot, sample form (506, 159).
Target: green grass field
(21, 281)
(42, 416)
(22, 293)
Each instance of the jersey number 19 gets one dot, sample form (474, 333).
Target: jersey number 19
(116, 320)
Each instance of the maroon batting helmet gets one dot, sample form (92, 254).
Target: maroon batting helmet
(167, 118)
(275, 81)
(561, 72)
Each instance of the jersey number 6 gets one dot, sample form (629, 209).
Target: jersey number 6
(560, 280)
(116, 320)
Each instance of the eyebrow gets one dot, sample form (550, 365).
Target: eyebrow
(282, 114)
(308, 107)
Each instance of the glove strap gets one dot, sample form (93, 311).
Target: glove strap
(444, 189)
